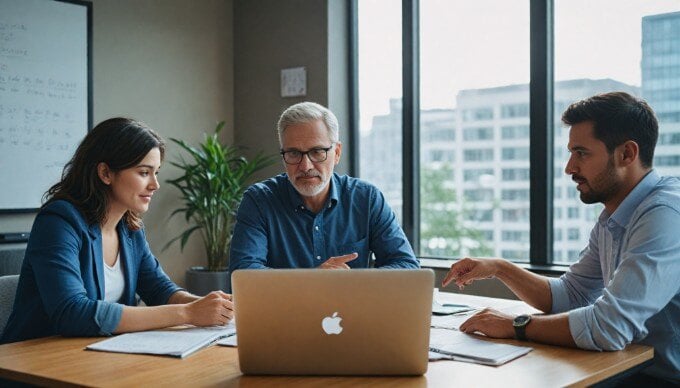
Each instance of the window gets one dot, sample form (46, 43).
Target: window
(667, 160)
(478, 195)
(481, 133)
(515, 174)
(573, 234)
(515, 215)
(515, 132)
(476, 117)
(477, 114)
(476, 173)
(478, 155)
(516, 235)
(515, 195)
(558, 235)
(515, 153)
(515, 110)
(440, 156)
(669, 138)
(572, 212)
(479, 215)
(379, 90)
(596, 53)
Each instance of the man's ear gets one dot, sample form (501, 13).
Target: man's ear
(629, 153)
(338, 152)
(104, 173)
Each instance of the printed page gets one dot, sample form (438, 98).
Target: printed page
(175, 343)
(457, 344)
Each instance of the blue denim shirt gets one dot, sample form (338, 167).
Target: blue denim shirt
(275, 230)
(625, 286)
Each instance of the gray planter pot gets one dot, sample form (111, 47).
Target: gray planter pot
(201, 282)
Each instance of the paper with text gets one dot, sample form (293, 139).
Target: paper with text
(175, 343)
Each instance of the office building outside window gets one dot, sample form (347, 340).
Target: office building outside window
(475, 115)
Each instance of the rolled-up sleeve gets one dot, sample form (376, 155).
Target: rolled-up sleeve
(107, 316)
(643, 284)
(560, 298)
(582, 284)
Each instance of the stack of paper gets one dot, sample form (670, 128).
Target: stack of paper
(455, 345)
(175, 343)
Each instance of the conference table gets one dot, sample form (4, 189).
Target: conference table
(58, 361)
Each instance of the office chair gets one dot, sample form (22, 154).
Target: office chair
(8, 289)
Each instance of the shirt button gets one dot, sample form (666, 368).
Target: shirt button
(316, 227)
(318, 257)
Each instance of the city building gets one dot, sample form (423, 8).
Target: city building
(485, 144)
(661, 85)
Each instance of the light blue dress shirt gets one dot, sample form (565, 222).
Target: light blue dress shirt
(274, 229)
(625, 287)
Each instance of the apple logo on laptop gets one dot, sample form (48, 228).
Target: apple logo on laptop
(331, 325)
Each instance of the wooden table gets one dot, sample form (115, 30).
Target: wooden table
(64, 362)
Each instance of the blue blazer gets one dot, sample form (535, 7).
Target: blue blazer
(61, 287)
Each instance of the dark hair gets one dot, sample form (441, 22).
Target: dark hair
(618, 117)
(120, 143)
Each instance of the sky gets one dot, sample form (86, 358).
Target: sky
(485, 43)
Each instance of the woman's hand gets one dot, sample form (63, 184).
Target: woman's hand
(216, 308)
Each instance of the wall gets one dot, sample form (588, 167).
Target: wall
(168, 63)
(270, 35)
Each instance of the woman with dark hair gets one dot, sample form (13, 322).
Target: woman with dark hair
(87, 256)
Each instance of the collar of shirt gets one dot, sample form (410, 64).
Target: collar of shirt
(625, 210)
(622, 214)
(296, 199)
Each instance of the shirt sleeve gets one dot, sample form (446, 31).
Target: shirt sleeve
(54, 258)
(249, 242)
(582, 284)
(387, 240)
(644, 282)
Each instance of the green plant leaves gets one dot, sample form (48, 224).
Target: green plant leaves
(211, 187)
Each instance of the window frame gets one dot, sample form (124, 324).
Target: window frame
(540, 113)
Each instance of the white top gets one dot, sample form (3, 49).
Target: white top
(114, 281)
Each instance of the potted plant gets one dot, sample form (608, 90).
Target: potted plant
(211, 186)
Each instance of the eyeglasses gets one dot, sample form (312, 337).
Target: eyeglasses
(315, 155)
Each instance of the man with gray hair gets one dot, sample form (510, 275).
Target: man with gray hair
(311, 217)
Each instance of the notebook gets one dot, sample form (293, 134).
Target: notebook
(333, 322)
(176, 342)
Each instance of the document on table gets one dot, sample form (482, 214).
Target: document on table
(173, 342)
(451, 322)
(229, 341)
(455, 345)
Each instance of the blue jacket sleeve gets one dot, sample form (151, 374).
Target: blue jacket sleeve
(54, 257)
(387, 240)
(153, 285)
(249, 242)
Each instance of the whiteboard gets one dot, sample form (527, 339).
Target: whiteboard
(45, 99)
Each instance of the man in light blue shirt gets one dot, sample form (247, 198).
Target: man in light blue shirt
(311, 217)
(624, 288)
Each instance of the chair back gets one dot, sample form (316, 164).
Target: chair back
(8, 290)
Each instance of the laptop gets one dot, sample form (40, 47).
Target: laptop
(333, 322)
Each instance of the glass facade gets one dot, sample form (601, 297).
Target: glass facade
(475, 119)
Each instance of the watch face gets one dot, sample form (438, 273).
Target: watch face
(521, 320)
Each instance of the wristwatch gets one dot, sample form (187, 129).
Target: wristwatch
(520, 323)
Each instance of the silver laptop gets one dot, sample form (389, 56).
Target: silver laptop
(333, 322)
